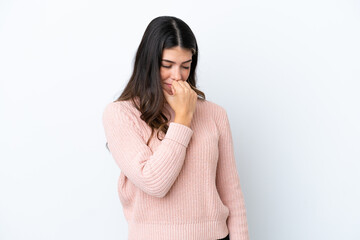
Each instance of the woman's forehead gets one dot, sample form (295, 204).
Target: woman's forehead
(177, 54)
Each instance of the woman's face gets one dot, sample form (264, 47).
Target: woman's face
(175, 66)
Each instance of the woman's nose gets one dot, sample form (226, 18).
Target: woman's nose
(175, 74)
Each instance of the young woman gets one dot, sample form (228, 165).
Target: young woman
(174, 148)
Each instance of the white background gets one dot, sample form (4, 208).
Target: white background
(287, 72)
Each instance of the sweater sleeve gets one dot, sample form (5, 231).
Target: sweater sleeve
(152, 172)
(228, 182)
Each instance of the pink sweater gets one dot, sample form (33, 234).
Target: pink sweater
(181, 188)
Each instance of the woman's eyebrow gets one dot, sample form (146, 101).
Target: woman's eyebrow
(174, 62)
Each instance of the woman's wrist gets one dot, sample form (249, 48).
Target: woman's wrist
(183, 120)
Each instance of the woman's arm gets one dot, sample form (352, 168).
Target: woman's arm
(228, 183)
(152, 172)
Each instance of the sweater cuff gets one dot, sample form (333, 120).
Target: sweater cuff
(179, 133)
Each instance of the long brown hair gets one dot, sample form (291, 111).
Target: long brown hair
(145, 83)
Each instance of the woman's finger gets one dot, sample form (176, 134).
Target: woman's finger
(183, 85)
(187, 84)
(177, 84)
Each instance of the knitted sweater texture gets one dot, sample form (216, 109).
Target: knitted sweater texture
(185, 187)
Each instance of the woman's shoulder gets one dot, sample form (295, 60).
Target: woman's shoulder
(120, 108)
(117, 105)
(208, 105)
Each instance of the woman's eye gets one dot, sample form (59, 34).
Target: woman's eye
(186, 67)
(166, 66)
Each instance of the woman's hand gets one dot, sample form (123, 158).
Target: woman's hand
(182, 101)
